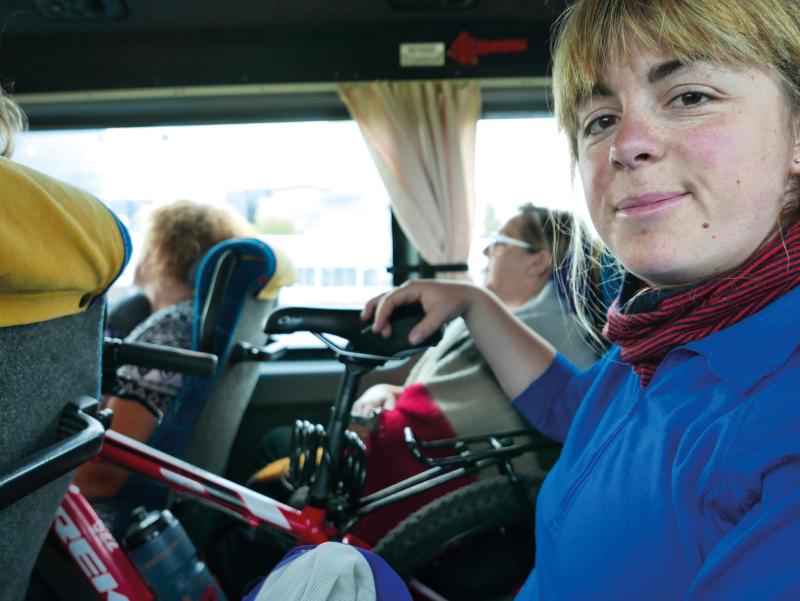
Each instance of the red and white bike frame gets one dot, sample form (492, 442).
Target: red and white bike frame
(88, 542)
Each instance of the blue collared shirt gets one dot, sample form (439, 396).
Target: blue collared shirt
(688, 489)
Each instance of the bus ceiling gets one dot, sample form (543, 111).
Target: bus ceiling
(84, 63)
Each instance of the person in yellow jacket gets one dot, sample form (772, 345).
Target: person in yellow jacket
(60, 247)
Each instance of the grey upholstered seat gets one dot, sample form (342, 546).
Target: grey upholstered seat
(43, 366)
(211, 440)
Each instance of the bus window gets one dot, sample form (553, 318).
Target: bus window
(310, 188)
(520, 160)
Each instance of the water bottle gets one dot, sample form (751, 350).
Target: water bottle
(161, 550)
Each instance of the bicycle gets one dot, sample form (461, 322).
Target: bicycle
(427, 549)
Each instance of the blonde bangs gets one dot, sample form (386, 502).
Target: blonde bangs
(593, 33)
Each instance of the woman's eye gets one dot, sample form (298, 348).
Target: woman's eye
(690, 99)
(596, 126)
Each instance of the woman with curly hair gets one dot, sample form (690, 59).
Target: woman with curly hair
(178, 236)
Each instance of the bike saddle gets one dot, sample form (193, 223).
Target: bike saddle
(346, 323)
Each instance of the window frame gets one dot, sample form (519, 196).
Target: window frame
(501, 98)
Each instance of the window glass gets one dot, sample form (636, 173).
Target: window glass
(519, 161)
(310, 188)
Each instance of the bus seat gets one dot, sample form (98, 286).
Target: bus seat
(124, 315)
(230, 307)
(58, 261)
(43, 366)
(247, 268)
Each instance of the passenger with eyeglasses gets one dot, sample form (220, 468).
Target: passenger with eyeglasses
(499, 238)
(451, 391)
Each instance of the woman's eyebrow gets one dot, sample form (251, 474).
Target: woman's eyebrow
(654, 74)
(598, 91)
(663, 70)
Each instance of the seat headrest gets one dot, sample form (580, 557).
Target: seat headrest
(126, 314)
(229, 272)
(284, 275)
(256, 253)
(60, 247)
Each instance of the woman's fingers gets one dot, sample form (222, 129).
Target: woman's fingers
(374, 398)
(441, 302)
(404, 295)
(432, 321)
(365, 408)
(369, 308)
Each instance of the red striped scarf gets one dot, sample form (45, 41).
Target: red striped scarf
(697, 312)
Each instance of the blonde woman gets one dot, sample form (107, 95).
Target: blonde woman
(680, 472)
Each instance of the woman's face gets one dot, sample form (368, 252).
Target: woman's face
(685, 168)
(507, 271)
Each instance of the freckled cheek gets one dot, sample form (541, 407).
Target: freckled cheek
(596, 180)
(713, 152)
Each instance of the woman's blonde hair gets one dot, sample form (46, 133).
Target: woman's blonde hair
(181, 232)
(12, 121)
(545, 229)
(592, 33)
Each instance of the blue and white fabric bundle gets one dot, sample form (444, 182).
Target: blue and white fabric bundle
(330, 572)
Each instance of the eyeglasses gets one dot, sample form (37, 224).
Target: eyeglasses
(498, 238)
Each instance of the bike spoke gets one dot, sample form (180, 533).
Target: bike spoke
(425, 592)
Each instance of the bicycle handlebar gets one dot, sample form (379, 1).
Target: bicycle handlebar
(155, 356)
(347, 324)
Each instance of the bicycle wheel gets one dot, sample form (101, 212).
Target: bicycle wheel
(473, 544)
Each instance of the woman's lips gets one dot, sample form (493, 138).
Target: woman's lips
(648, 204)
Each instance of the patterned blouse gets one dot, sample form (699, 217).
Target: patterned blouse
(154, 388)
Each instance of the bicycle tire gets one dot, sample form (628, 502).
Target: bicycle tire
(444, 544)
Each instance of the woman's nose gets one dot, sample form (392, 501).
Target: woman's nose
(636, 142)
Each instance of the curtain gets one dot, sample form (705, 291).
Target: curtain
(421, 135)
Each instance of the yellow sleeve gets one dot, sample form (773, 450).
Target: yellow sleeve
(284, 275)
(59, 247)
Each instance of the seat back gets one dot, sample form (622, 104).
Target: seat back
(42, 367)
(58, 254)
(126, 314)
(229, 310)
(201, 423)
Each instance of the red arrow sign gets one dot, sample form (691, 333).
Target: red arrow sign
(466, 49)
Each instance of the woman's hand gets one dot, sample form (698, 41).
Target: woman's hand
(441, 301)
(516, 355)
(378, 398)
